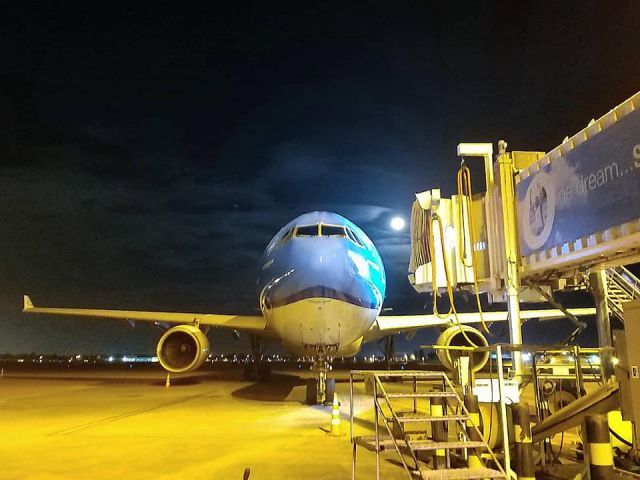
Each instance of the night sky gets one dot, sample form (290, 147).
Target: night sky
(148, 152)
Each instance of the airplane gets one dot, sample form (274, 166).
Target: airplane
(321, 288)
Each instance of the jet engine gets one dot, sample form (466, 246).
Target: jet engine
(453, 336)
(182, 349)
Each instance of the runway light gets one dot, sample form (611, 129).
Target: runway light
(397, 223)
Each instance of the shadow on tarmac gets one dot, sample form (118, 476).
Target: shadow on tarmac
(277, 389)
(369, 424)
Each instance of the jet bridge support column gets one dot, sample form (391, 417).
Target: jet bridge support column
(598, 283)
(511, 252)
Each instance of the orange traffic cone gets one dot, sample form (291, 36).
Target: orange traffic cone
(167, 384)
(336, 427)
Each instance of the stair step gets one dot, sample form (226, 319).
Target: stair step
(429, 418)
(385, 444)
(461, 473)
(422, 395)
(431, 445)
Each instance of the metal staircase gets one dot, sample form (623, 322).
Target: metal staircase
(622, 286)
(404, 424)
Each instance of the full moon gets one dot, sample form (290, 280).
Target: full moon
(397, 223)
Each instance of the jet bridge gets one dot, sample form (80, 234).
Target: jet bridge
(546, 220)
(575, 208)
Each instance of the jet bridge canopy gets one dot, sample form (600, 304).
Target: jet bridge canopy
(579, 205)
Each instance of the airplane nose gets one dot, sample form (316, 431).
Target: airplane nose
(322, 272)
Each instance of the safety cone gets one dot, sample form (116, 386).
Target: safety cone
(336, 427)
(167, 384)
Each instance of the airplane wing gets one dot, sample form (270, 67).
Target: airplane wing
(254, 324)
(391, 324)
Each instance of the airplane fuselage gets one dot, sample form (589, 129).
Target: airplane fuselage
(321, 285)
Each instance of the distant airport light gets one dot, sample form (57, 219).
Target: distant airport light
(397, 223)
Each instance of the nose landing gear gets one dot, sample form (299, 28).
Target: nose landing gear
(320, 389)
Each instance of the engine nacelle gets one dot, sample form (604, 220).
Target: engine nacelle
(182, 349)
(453, 336)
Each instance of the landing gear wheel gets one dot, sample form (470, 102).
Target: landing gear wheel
(312, 391)
(389, 351)
(258, 369)
(320, 389)
(249, 372)
(330, 388)
(264, 372)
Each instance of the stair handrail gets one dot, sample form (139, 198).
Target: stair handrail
(386, 424)
(625, 280)
(615, 309)
(477, 429)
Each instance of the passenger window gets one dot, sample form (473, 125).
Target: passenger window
(333, 231)
(307, 231)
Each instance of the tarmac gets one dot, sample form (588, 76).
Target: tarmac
(126, 424)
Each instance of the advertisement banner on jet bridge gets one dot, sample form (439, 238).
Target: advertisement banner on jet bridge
(588, 189)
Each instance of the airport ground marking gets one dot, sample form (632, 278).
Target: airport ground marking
(114, 418)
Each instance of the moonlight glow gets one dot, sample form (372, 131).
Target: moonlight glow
(397, 223)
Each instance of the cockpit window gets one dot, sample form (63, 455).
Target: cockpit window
(307, 231)
(333, 231)
(285, 238)
(353, 237)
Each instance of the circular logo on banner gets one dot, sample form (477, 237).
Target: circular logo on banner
(540, 210)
